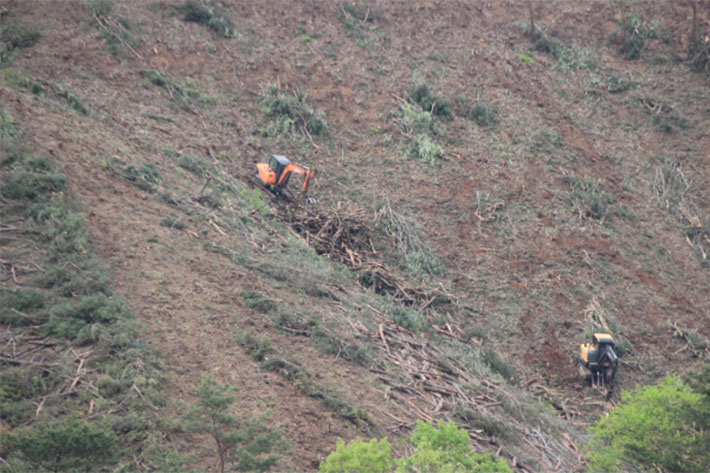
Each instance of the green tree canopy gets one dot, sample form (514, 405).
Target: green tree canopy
(444, 448)
(656, 428)
(66, 445)
(243, 443)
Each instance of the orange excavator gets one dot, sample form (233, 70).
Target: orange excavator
(275, 174)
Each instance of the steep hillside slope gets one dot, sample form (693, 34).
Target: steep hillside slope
(555, 187)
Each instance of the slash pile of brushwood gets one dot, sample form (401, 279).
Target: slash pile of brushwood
(429, 385)
(344, 235)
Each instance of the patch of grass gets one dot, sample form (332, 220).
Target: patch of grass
(664, 117)
(258, 347)
(342, 346)
(360, 23)
(145, 177)
(258, 301)
(195, 165)
(208, 14)
(173, 222)
(587, 200)
(407, 317)
(328, 397)
(617, 85)
(73, 101)
(290, 112)
(184, 93)
(490, 425)
(13, 37)
(99, 7)
(33, 178)
(116, 32)
(494, 361)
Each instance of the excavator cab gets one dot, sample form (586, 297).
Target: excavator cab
(275, 174)
(599, 359)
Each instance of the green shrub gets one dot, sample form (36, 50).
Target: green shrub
(436, 105)
(15, 36)
(257, 300)
(242, 443)
(655, 428)
(492, 359)
(67, 445)
(427, 150)
(359, 457)
(73, 101)
(407, 317)
(109, 387)
(206, 13)
(20, 386)
(416, 121)
(446, 448)
(32, 178)
(60, 226)
(291, 112)
(67, 319)
(19, 305)
(634, 32)
(483, 114)
(145, 177)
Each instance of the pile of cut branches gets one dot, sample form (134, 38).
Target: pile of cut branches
(344, 235)
(429, 385)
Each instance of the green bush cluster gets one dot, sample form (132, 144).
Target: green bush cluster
(437, 105)
(33, 178)
(421, 127)
(441, 448)
(427, 150)
(65, 445)
(407, 317)
(484, 114)
(663, 427)
(634, 32)
(291, 113)
(207, 13)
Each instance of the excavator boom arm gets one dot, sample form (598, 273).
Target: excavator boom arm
(298, 169)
